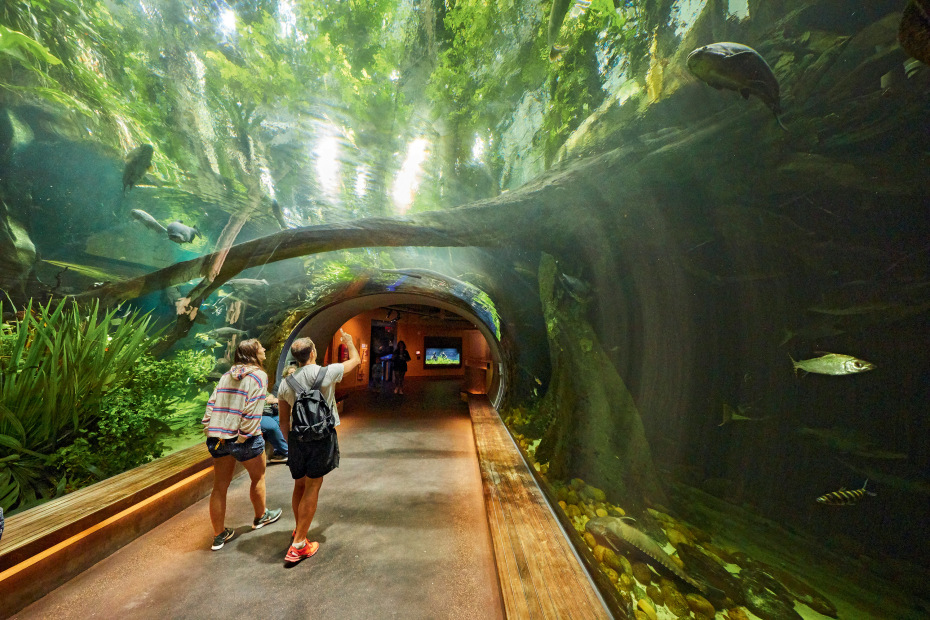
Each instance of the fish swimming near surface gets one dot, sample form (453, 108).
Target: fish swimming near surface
(138, 162)
(148, 221)
(914, 30)
(617, 534)
(179, 232)
(844, 497)
(735, 66)
(832, 364)
(556, 16)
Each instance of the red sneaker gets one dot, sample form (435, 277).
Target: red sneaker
(295, 555)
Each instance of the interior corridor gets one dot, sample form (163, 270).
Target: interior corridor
(402, 526)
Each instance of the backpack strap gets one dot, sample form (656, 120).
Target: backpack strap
(295, 386)
(320, 375)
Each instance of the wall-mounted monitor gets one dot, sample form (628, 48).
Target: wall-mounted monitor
(442, 352)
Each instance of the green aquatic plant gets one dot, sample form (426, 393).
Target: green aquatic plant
(58, 365)
(160, 398)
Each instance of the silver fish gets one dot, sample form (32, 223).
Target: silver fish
(148, 221)
(832, 364)
(617, 533)
(735, 66)
(181, 233)
(247, 282)
(226, 332)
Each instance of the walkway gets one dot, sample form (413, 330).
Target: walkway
(402, 524)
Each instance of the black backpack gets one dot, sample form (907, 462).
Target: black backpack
(311, 417)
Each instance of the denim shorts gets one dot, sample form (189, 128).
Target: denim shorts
(245, 451)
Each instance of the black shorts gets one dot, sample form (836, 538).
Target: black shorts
(313, 459)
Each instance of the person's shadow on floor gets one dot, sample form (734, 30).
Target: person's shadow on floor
(269, 546)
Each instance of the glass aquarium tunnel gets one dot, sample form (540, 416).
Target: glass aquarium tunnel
(683, 246)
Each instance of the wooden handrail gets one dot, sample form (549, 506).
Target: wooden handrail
(32, 531)
(540, 574)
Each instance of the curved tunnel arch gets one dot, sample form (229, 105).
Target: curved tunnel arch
(322, 321)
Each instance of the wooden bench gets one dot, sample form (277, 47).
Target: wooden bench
(540, 574)
(47, 545)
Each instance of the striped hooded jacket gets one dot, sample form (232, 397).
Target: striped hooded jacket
(234, 411)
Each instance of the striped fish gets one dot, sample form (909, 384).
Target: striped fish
(844, 497)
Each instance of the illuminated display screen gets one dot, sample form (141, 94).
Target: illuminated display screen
(442, 352)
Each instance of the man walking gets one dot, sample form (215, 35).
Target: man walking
(309, 461)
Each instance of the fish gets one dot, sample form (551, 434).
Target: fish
(179, 232)
(730, 415)
(148, 221)
(812, 332)
(907, 478)
(578, 289)
(617, 533)
(247, 282)
(738, 67)
(832, 364)
(556, 16)
(765, 597)
(844, 497)
(222, 332)
(138, 162)
(853, 442)
(914, 30)
(853, 310)
(278, 214)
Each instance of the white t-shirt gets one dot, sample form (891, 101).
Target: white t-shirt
(305, 377)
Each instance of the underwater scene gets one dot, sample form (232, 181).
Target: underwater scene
(697, 232)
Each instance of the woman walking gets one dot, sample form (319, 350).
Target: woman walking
(233, 426)
(401, 357)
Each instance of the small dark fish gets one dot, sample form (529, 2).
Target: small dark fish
(278, 214)
(556, 16)
(833, 364)
(914, 30)
(844, 497)
(737, 67)
(138, 162)
(181, 233)
(148, 221)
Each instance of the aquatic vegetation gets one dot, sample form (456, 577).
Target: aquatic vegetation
(77, 386)
(159, 399)
(57, 365)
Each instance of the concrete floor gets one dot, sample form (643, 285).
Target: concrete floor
(402, 527)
